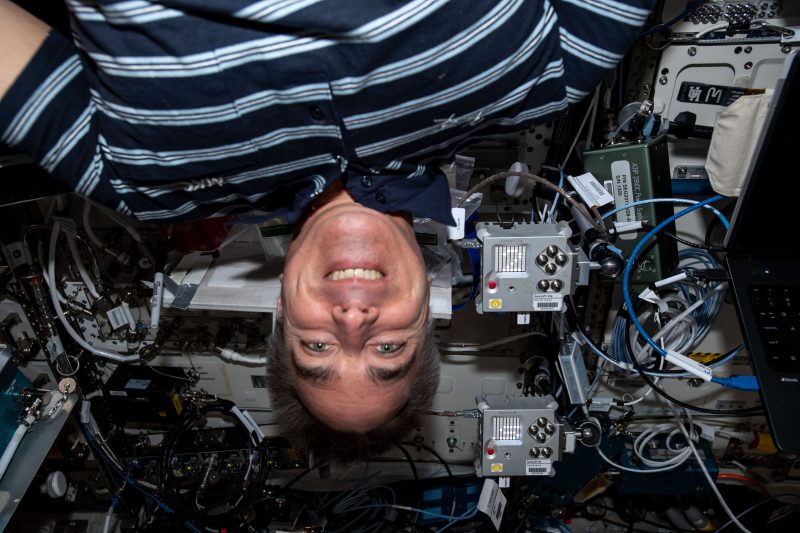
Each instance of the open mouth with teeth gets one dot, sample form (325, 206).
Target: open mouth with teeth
(355, 273)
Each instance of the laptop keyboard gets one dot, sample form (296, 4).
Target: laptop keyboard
(777, 309)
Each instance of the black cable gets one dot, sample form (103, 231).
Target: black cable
(413, 466)
(303, 474)
(602, 518)
(707, 247)
(690, 8)
(410, 461)
(446, 467)
(660, 392)
(641, 370)
(636, 519)
(256, 444)
(716, 221)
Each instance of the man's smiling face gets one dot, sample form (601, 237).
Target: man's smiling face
(354, 299)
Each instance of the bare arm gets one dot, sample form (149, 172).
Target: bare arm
(21, 35)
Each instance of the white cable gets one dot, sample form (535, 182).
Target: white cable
(51, 270)
(481, 347)
(235, 357)
(590, 130)
(580, 129)
(155, 300)
(666, 200)
(708, 477)
(714, 27)
(126, 310)
(87, 207)
(11, 447)
(646, 436)
(107, 522)
(672, 279)
(84, 274)
(634, 470)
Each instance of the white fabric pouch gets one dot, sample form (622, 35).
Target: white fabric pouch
(733, 142)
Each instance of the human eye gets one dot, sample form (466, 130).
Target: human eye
(317, 346)
(389, 348)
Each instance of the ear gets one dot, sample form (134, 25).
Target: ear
(279, 304)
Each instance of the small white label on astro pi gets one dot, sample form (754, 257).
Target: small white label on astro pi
(547, 301)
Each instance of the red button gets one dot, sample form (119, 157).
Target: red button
(492, 284)
(489, 451)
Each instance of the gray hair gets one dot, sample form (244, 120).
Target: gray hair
(323, 442)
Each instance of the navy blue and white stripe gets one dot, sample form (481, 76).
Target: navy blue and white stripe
(173, 110)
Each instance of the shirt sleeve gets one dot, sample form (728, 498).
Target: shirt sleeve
(595, 35)
(48, 114)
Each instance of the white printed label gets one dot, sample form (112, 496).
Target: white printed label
(456, 232)
(690, 365)
(139, 384)
(706, 431)
(116, 317)
(16, 255)
(117, 393)
(589, 189)
(547, 301)
(538, 467)
(623, 194)
(492, 502)
(55, 346)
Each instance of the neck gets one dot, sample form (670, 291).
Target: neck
(335, 195)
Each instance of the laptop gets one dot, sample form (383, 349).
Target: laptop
(763, 260)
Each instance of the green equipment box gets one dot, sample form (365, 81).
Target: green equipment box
(632, 172)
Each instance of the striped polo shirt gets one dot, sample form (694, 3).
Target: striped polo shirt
(183, 109)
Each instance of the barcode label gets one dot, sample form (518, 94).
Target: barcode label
(547, 301)
(538, 467)
(589, 189)
(492, 502)
(116, 317)
(624, 194)
(596, 186)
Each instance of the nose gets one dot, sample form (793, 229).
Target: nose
(353, 317)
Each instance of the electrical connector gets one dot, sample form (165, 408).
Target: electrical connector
(747, 383)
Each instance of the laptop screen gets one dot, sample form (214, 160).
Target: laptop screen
(765, 221)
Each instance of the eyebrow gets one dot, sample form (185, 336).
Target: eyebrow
(320, 374)
(317, 374)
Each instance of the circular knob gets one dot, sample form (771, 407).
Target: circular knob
(561, 259)
(533, 430)
(549, 429)
(541, 422)
(541, 260)
(551, 250)
(56, 485)
(547, 453)
(589, 432)
(550, 268)
(557, 285)
(534, 452)
(541, 437)
(543, 285)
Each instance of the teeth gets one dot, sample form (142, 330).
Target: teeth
(358, 273)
